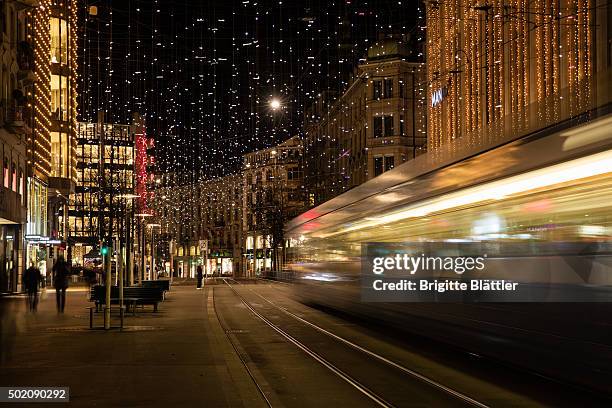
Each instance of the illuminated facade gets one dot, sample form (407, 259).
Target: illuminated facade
(190, 211)
(13, 159)
(273, 190)
(498, 68)
(97, 205)
(379, 122)
(48, 64)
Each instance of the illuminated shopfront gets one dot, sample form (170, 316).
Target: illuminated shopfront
(36, 251)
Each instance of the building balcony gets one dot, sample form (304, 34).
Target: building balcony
(13, 117)
(11, 208)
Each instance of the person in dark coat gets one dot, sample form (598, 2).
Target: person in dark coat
(60, 282)
(31, 280)
(200, 276)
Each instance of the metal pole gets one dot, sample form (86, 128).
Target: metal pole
(206, 263)
(171, 247)
(141, 274)
(109, 282)
(120, 275)
(128, 250)
(153, 274)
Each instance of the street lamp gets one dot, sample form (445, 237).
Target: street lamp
(275, 103)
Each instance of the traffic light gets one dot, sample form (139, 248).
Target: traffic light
(104, 250)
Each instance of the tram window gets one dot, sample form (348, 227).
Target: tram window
(378, 166)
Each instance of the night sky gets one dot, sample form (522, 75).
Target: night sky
(203, 73)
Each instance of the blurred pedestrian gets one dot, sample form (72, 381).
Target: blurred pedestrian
(60, 282)
(200, 276)
(31, 281)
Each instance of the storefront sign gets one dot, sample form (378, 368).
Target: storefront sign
(40, 239)
(438, 96)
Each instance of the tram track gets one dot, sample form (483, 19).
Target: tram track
(248, 370)
(398, 370)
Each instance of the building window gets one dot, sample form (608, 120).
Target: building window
(59, 97)
(382, 89)
(388, 123)
(378, 126)
(6, 173)
(402, 126)
(60, 154)
(401, 89)
(21, 185)
(377, 91)
(388, 88)
(378, 166)
(389, 162)
(59, 41)
(14, 177)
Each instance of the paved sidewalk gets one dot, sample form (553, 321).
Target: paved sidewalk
(176, 357)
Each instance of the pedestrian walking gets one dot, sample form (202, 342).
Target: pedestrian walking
(60, 282)
(200, 276)
(31, 281)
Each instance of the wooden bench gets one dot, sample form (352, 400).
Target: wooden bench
(132, 295)
(164, 284)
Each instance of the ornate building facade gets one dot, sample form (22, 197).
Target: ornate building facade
(201, 224)
(273, 193)
(503, 67)
(39, 62)
(378, 123)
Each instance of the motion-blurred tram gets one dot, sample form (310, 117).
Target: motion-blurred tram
(553, 186)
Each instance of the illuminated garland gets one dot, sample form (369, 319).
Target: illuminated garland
(497, 57)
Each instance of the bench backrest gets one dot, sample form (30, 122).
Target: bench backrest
(98, 292)
(143, 293)
(162, 283)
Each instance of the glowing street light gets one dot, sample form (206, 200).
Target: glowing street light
(275, 104)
